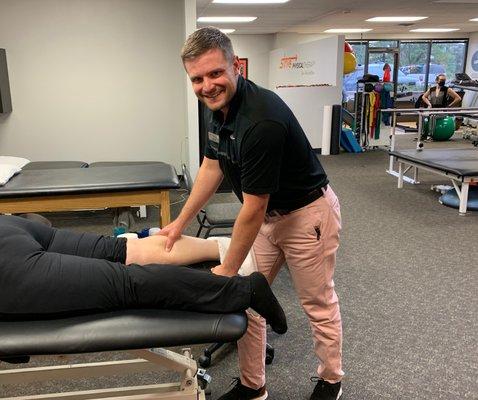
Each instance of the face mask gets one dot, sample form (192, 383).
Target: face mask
(441, 83)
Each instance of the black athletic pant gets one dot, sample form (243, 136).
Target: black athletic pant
(49, 271)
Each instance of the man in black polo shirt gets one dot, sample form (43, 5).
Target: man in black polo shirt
(289, 213)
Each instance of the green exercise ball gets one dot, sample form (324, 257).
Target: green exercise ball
(444, 128)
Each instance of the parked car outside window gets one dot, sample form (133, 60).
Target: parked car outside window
(404, 82)
(417, 72)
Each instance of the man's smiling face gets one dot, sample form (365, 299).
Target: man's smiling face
(214, 79)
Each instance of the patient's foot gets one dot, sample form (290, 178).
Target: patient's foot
(266, 304)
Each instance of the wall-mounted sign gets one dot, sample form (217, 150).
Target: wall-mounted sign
(474, 61)
(316, 63)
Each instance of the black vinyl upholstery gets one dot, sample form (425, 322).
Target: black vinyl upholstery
(54, 165)
(461, 162)
(115, 331)
(46, 182)
(97, 164)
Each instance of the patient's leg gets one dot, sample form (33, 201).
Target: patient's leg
(150, 250)
(34, 280)
(187, 250)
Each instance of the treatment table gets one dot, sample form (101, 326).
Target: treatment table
(67, 189)
(459, 165)
(128, 330)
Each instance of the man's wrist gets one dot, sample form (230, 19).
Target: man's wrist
(230, 267)
(182, 222)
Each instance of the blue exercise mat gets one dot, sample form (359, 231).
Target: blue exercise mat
(451, 199)
(348, 141)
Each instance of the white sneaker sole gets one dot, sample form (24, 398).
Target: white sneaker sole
(340, 394)
(263, 397)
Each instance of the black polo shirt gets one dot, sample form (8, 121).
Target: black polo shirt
(262, 149)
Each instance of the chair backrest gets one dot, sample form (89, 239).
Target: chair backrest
(188, 182)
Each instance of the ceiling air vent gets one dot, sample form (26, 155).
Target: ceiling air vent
(406, 24)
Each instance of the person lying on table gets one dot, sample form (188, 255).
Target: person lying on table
(46, 271)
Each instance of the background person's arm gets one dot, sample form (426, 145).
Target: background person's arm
(456, 98)
(425, 97)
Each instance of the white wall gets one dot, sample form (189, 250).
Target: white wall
(192, 135)
(295, 82)
(94, 80)
(472, 50)
(256, 49)
(471, 98)
(291, 39)
(307, 104)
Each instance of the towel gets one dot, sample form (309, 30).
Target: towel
(7, 171)
(248, 266)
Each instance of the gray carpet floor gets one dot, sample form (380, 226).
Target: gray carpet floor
(407, 281)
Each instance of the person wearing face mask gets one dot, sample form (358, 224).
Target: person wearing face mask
(439, 96)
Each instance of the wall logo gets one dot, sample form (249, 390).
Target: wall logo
(294, 63)
(474, 61)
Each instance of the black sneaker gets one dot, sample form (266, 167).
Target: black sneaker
(325, 390)
(241, 392)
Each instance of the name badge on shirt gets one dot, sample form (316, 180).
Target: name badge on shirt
(213, 137)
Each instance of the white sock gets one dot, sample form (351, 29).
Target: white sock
(248, 266)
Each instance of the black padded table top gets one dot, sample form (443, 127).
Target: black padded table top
(54, 165)
(91, 180)
(119, 330)
(461, 162)
(97, 164)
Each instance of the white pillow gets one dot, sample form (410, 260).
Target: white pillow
(17, 161)
(7, 171)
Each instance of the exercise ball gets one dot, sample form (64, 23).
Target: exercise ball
(378, 87)
(348, 48)
(350, 63)
(444, 128)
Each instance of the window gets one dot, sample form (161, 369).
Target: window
(446, 57)
(413, 60)
(360, 49)
(349, 83)
(419, 63)
(383, 43)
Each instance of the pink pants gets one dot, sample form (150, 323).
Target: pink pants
(307, 239)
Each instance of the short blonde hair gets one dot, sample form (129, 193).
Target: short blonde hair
(206, 39)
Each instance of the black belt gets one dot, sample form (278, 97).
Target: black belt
(307, 199)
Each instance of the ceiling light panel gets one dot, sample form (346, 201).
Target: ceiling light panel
(227, 30)
(250, 1)
(226, 19)
(395, 19)
(432, 30)
(456, 1)
(347, 30)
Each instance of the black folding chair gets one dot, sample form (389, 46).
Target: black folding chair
(215, 215)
